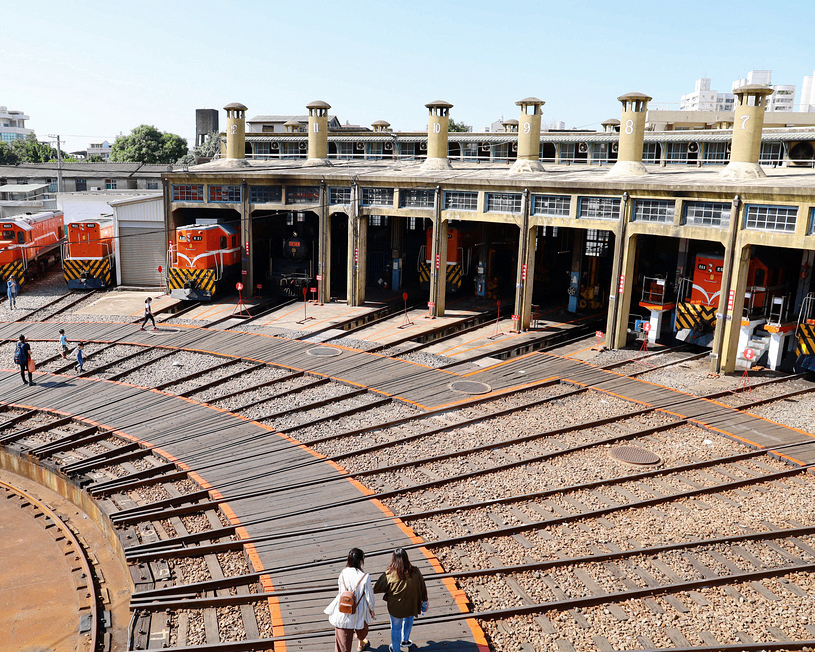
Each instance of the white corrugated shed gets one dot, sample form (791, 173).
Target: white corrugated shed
(140, 240)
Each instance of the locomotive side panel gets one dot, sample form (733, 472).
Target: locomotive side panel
(204, 261)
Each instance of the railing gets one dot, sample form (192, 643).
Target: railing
(655, 290)
(684, 289)
(807, 306)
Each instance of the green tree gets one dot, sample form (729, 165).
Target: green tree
(208, 149)
(454, 126)
(29, 150)
(7, 155)
(146, 144)
(94, 158)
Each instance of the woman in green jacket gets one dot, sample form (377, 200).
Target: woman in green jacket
(406, 595)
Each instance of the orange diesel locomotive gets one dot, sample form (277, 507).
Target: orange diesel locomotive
(88, 258)
(29, 243)
(205, 259)
(699, 297)
(459, 254)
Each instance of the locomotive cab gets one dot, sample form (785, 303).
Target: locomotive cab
(205, 260)
(88, 261)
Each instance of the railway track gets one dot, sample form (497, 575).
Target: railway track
(534, 523)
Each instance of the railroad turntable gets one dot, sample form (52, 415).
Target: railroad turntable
(235, 470)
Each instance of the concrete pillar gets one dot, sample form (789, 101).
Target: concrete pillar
(729, 287)
(529, 136)
(438, 261)
(728, 329)
(318, 133)
(632, 136)
(324, 259)
(352, 291)
(235, 131)
(247, 264)
(618, 319)
(437, 129)
(751, 101)
(525, 273)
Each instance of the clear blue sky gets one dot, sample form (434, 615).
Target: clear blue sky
(89, 70)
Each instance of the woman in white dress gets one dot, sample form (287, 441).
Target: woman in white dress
(353, 578)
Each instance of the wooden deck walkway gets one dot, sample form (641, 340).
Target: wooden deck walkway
(313, 528)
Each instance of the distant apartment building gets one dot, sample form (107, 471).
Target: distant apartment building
(703, 98)
(12, 125)
(808, 93)
(99, 149)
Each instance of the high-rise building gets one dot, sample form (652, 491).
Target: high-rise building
(808, 93)
(12, 125)
(705, 99)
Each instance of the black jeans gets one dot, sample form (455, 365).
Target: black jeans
(151, 318)
(23, 370)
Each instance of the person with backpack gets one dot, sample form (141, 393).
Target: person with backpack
(353, 608)
(406, 595)
(22, 357)
(80, 358)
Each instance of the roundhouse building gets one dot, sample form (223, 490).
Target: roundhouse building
(721, 254)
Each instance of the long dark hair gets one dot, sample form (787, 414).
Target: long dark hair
(400, 564)
(355, 558)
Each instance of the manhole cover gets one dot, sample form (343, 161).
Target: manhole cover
(634, 455)
(470, 387)
(323, 352)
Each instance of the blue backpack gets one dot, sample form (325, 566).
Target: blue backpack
(18, 353)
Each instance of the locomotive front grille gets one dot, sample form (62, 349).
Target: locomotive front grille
(15, 269)
(806, 340)
(185, 279)
(692, 315)
(78, 273)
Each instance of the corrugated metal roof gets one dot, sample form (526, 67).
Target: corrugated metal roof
(23, 187)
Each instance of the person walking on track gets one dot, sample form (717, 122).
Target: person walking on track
(353, 608)
(148, 314)
(22, 357)
(11, 291)
(63, 343)
(406, 595)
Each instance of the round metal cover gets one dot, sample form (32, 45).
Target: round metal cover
(324, 352)
(470, 387)
(634, 455)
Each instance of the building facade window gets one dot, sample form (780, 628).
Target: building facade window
(715, 153)
(650, 153)
(374, 150)
(707, 213)
(265, 194)
(771, 153)
(456, 200)
(599, 208)
(654, 210)
(377, 197)
(52, 184)
(567, 152)
(80, 185)
(676, 152)
(110, 184)
(302, 194)
(225, 194)
(152, 184)
(339, 195)
(771, 218)
(377, 220)
(345, 151)
(811, 221)
(553, 205)
(291, 150)
(415, 198)
(190, 192)
(597, 243)
(504, 202)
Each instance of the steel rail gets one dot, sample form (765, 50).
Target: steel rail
(71, 365)
(287, 392)
(124, 373)
(547, 341)
(74, 440)
(645, 356)
(339, 415)
(138, 479)
(221, 381)
(642, 372)
(780, 397)
(305, 407)
(220, 547)
(197, 374)
(50, 304)
(651, 551)
(772, 381)
(266, 383)
(19, 434)
(80, 556)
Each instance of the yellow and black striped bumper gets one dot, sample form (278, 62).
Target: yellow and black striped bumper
(806, 339)
(424, 274)
(88, 274)
(194, 284)
(14, 269)
(689, 315)
(453, 278)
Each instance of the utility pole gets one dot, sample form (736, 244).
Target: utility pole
(59, 162)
